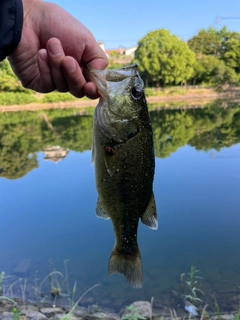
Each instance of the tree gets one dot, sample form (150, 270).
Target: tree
(217, 55)
(208, 42)
(213, 71)
(164, 58)
(231, 51)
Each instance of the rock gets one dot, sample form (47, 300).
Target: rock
(50, 312)
(142, 308)
(7, 316)
(224, 317)
(102, 315)
(35, 315)
(67, 316)
(24, 309)
(227, 316)
(79, 311)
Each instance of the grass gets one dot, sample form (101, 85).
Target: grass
(2, 276)
(132, 314)
(58, 287)
(190, 286)
(19, 98)
(56, 290)
(237, 316)
(24, 98)
(178, 91)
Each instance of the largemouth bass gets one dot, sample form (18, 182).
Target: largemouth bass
(123, 154)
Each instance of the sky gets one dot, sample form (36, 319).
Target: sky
(123, 23)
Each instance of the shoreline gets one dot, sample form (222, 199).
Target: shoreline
(18, 309)
(230, 96)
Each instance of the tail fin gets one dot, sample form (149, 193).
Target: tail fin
(128, 265)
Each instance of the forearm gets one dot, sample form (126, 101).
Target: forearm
(11, 21)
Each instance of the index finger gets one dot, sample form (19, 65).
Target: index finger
(94, 54)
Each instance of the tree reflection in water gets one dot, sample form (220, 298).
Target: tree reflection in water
(23, 134)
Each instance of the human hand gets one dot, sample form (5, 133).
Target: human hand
(53, 51)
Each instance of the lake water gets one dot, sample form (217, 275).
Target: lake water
(48, 198)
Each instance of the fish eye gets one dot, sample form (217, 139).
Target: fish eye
(137, 92)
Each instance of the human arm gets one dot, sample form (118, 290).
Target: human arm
(11, 19)
(53, 51)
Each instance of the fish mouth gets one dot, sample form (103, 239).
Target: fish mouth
(108, 79)
(120, 74)
(114, 87)
(112, 75)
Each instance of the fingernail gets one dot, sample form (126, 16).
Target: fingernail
(43, 55)
(70, 66)
(55, 48)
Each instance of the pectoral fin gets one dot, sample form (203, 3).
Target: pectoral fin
(110, 159)
(100, 211)
(149, 217)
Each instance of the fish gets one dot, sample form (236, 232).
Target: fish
(123, 156)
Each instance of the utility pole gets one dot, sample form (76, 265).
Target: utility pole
(219, 20)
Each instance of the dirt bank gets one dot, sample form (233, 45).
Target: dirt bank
(190, 97)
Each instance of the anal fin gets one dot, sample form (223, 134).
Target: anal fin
(149, 217)
(100, 211)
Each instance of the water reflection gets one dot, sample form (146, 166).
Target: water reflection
(25, 133)
(50, 212)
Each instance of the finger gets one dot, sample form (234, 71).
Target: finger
(55, 57)
(45, 82)
(74, 76)
(91, 91)
(94, 55)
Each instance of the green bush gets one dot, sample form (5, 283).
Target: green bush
(57, 97)
(11, 98)
(149, 92)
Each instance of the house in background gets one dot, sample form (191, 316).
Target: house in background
(128, 52)
(122, 51)
(55, 153)
(101, 45)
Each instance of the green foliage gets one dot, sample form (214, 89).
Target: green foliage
(57, 97)
(214, 71)
(16, 314)
(24, 134)
(203, 128)
(193, 278)
(150, 92)
(8, 299)
(217, 309)
(8, 80)
(212, 57)
(163, 58)
(217, 56)
(231, 51)
(192, 284)
(237, 316)
(12, 92)
(132, 314)
(208, 42)
(11, 98)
